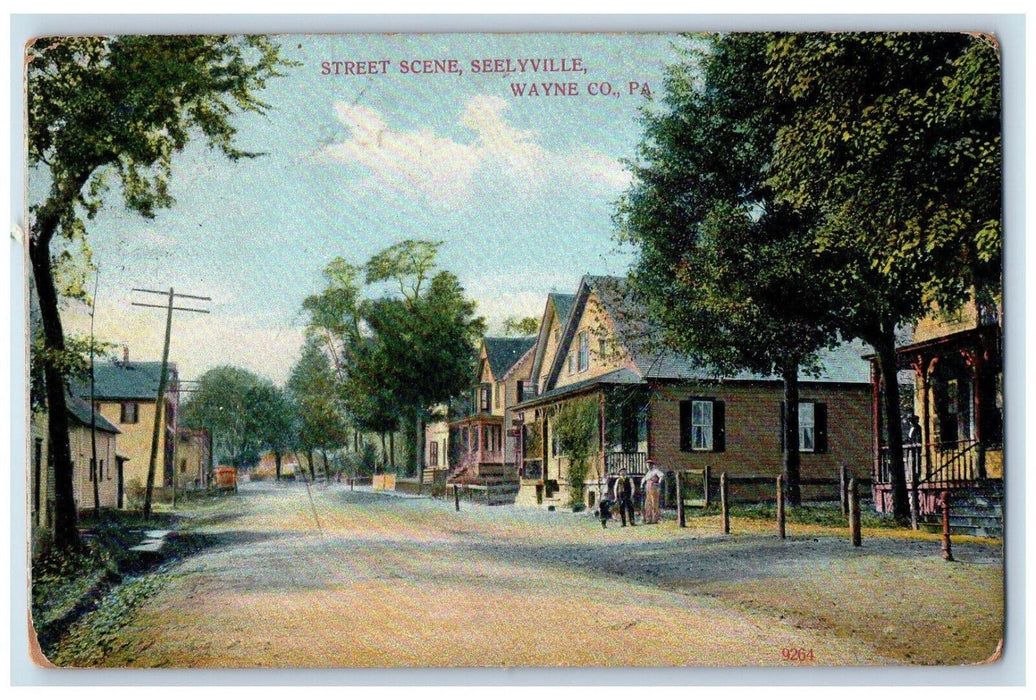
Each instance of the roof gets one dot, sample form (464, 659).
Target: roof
(843, 364)
(503, 353)
(80, 411)
(562, 304)
(122, 380)
(618, 376)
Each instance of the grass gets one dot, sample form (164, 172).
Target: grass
(822, 514)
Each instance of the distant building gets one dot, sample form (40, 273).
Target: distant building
(483, 445)
(125, 393)
(79, 437)
(193, 458)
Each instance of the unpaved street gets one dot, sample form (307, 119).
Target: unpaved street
(326, 577)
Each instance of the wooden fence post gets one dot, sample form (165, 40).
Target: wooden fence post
(724, 503)
(944, 502)
(854, 514)
(456, 498)
(843, 490)
(780, 507)
(706, 477)
(681, 517)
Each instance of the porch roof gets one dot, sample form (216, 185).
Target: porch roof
(615, 377)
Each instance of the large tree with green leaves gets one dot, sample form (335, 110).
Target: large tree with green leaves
(402, 334)
(119, 108)
(895, 139)
(315, 395)
(726, 272)
(239, 408)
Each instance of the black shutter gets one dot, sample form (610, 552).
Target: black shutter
(783, 420)
(719, 426)
(820, 427)
(685, 426)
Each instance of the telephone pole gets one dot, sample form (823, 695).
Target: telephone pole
(162, 380)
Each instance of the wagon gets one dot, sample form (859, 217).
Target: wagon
(226, 479)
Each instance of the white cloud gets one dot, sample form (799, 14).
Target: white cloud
(501, 159)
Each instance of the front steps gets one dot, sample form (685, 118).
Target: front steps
(976, 510)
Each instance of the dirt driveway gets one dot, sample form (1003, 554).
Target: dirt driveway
(326, 577)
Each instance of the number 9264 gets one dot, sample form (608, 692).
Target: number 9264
(796, 654)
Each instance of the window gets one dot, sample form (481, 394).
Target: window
(520, 391)
(499, 400)
(702, 425)
(571, 363)
(486, 397)
(807, 427)
(584, 352)
(128, 414)
(812, 426)
(433, 453)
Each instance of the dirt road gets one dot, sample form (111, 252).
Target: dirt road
(325, 577)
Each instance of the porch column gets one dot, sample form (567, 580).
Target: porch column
(926, 425)
(876, 420)
(975, 358)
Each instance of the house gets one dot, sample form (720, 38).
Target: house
(484, 442)
(193, 458)
(957, 362)
(81, 441)
(125, 393)
(662, 406)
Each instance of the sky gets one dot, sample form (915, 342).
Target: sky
(520, 189)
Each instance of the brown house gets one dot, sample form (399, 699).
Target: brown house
(678, 413)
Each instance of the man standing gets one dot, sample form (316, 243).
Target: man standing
(624, 492)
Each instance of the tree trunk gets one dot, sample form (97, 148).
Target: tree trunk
(277, 464)
(886, 351)
(65, 533)
(392, 451)
(419, 445)
(791, 458)
(312, 469)
(327, 466)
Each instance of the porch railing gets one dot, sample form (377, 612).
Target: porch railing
(635, 463)
(951, 463)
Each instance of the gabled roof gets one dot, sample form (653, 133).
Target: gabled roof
(615, 377)
(843, 364)
(79, 410)
(560, 305)
(124, 381)
(503, 353)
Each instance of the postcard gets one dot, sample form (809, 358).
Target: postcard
(515, 350)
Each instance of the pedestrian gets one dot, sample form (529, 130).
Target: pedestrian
(624, 491)
(652, 493)
(604, 509)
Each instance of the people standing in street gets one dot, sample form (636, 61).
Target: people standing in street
(652, 492)
(624, 491)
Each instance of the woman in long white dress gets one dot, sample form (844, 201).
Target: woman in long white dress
(652, 490)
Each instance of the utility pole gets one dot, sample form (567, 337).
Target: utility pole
(162, 381)
(94, 471)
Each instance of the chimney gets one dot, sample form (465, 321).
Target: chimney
(125, 354)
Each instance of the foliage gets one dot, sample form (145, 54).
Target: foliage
(727, 272)
(528, 325)
(400, 353)
(577, 425)
(120, 107)
(317, 405)
(240, 409)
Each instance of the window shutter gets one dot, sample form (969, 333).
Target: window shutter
(719, 426)
(781, 426)
(820, 427)
(685, 426)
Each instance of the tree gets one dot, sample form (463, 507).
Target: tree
(725, 271)
(273, 419)
(895, 139)
(399, 353)
(238, 408)
(529, 325)
(314, 394)
(103, 107)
